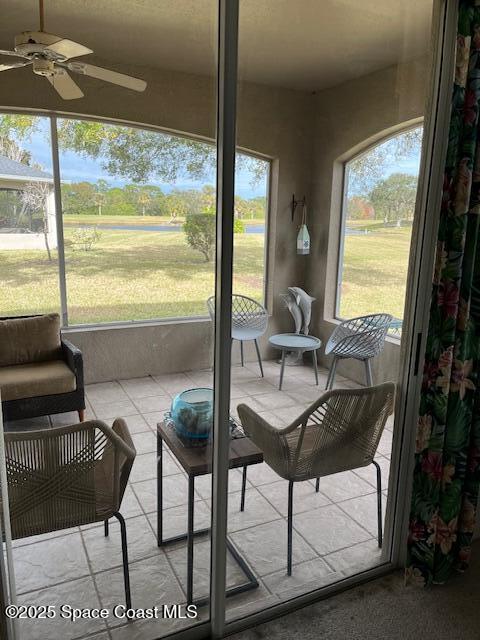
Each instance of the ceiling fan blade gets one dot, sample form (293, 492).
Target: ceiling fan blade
(65, 86)
(129, 82)
(15, 65)
(56, 44)
(14, 54)
(69, 48)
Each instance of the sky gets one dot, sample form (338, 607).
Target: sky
(75, 168)
(407, 164)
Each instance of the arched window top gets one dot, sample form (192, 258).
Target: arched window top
(397, 152)
(379, 194)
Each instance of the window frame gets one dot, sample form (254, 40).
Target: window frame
(378, 140)
(52, 117)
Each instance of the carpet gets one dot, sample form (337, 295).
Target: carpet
(385, 609)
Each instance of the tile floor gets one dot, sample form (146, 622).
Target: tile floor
(334, 530)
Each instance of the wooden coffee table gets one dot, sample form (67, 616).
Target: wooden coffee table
(197, 461)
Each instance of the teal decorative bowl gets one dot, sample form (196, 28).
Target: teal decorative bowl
(192, 414)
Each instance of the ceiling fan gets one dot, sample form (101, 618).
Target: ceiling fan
(50, 57)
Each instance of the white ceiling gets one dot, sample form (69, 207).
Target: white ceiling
(300, 44)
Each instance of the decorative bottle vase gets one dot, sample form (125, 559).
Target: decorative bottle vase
(303, 241)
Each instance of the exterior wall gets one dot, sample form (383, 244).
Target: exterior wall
(348, 118)
(272, 122)
(19, 241)
(143, 349)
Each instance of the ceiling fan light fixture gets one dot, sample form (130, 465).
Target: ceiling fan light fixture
(50, 57)
(43, 67)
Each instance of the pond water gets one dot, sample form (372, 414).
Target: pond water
(249, 228)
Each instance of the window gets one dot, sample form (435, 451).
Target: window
(28, 235)
(138, 222)
(380, 187)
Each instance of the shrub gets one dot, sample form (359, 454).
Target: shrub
(200, 231)
(85, 237)
(238, 226)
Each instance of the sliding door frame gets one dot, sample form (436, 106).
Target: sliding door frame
(226, 145)
(423, 251)
(416, 322)
(62, 276)
(444, 26)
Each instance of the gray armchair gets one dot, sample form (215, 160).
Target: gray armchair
(360, 338)
(249, 322)
(41, 373)
(338, 432)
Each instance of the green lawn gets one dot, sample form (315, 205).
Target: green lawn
(75, 220)
(135, 275)
(128, 275)
(375, 272)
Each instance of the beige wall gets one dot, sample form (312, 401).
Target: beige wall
(347, 118)
(306, 136)
(273, 122)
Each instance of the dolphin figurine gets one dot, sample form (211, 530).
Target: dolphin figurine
(292, 306)
(304, 301)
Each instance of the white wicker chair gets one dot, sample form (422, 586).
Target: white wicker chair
(360, 338)
(249, 322)
(338, 432)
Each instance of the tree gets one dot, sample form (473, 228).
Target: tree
(147, 199)
(34, 196)
(176, 205)
(394, 197)
(10, 149)
(141, 155)
(10, 205)
(359, 208)
(241, 208)
(100, 196)
(99, 199)
(143, 200)
(367, 169)
(17, 125)
(15, 128)
(200, 233)
(208, 198)
(179, 203)
(79, 198)
(116, 204)
(258, 207)
(157, 203)
(136, 154)
(132, 153)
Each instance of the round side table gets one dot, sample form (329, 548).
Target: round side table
(295, 342)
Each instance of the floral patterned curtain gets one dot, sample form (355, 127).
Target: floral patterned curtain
(447, 459)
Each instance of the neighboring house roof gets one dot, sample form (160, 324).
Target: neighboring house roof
(12, 170)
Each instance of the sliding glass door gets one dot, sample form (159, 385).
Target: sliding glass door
(114, 207)
(340, 116)
(265, 190)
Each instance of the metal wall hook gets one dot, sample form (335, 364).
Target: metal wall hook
(296, 203)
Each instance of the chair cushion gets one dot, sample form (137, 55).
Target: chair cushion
(26, 340)
(36, 379)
